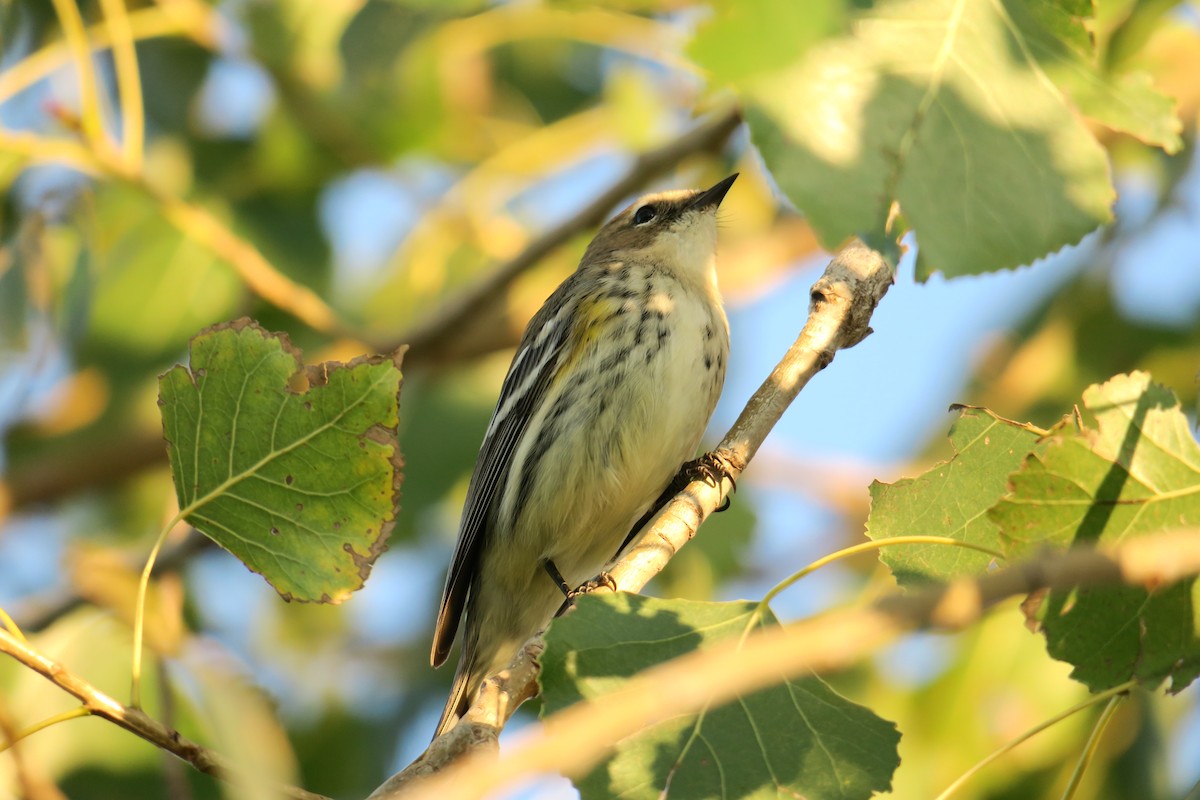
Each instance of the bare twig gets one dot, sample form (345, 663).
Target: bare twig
(75, 35)
(832, 641)
(131, 719)
(843, 300)
(479, 730)
(428, 338)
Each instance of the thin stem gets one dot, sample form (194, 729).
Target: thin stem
(193, 19)
(867, 546)
(133, 720)
(41, 149)
(853, 550)
(71, 713)
(85, 72)
(129, 82)
(139, 612)
(10, 624)
(1093, 742)
(1112, 693)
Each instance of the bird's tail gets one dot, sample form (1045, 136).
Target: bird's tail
(466, 681)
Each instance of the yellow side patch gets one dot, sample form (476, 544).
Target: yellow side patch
(593, 316)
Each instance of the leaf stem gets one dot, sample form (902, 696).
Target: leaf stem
(865, 547)
(1093, 742)
(71, 713)
(139, 612)
(854, 550)
(1113, 693)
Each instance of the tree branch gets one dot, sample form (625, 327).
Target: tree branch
(131, 719)
(829, 642)
(843, 300)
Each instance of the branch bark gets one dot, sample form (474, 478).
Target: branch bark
(843, 300)
(829, 642)
(133, 720)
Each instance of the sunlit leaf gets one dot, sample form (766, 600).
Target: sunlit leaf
(1125, 102)
(1135, 472)
(153, 287)
(780, 31)
(235, 717)
(797, 739)
(941, 106)
(294, 470)
(950, 500)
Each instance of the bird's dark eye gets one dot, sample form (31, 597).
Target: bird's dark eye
(644, 215)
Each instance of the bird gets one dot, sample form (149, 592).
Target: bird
(609, 392)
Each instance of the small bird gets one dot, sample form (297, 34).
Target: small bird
(609, 392)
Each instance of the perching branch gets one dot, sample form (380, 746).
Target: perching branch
(133, 720)
(843, 300)
(832, 641)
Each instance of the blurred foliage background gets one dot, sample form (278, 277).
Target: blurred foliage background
(344, 170)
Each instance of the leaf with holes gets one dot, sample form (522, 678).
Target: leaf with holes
(294, 470)
(796, 739)
(950, 500)
(1133, 472)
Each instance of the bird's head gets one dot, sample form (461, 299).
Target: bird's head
(676, 229)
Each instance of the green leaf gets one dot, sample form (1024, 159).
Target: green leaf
(951, 500)
(153, 286)
(1125, 102)
(743, 39)
(942, 107)
(294, 470)
(1136, 472)
(799, 738)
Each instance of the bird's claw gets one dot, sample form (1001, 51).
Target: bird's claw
(603, 580)
(712, 469)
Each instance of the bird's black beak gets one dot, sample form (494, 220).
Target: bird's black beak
(713, 196)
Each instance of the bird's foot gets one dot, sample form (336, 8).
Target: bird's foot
(711, 468)
(601, 581)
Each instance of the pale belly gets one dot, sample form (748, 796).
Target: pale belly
(646, 416)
